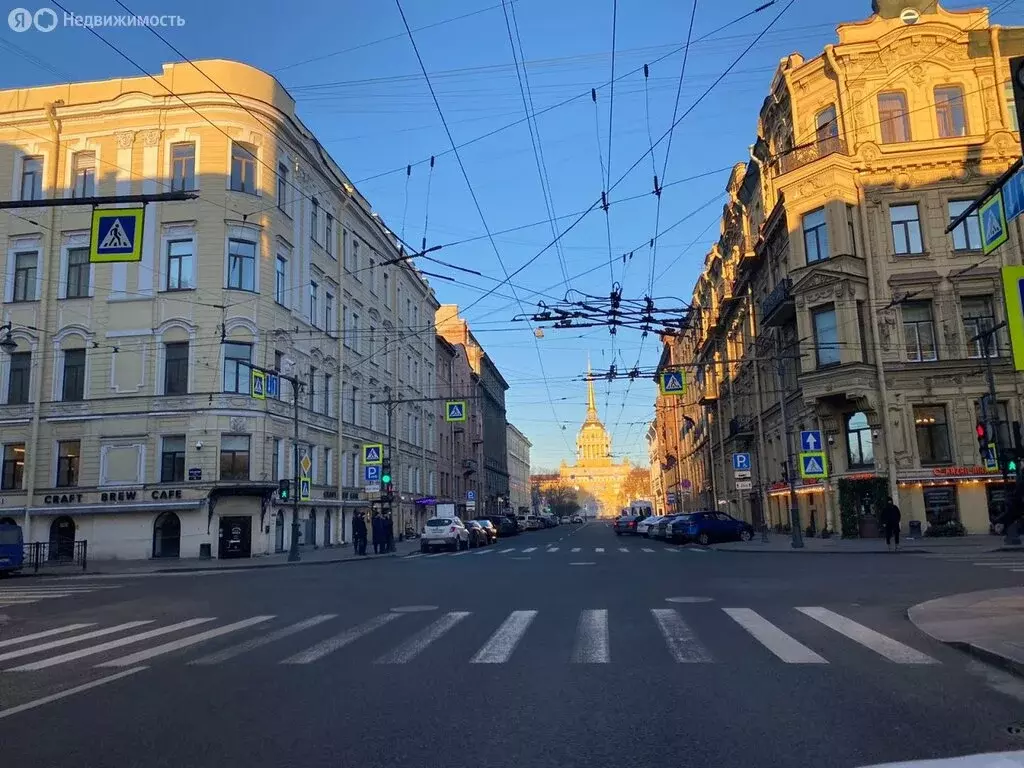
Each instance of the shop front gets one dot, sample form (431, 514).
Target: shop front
(812, 501)
(972, 496)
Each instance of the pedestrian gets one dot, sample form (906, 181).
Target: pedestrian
(890, 520)
(378, 534)
(389, 534)
(359, 533)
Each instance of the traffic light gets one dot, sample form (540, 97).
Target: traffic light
(284, 489)
(982, 432)
(385, 472)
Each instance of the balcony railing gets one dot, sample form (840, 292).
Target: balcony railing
(798, 158)
(774, 301)
(469, 466)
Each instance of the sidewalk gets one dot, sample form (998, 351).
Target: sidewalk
(781, 542)
(988, 624)
(321, 556)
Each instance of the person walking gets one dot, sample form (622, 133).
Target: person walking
(378, 534)
(890, 520)
(389, 534)
(359, 533)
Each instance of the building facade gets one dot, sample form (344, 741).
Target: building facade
(460, 444)
(518, 463)
(125, 412)
(835, 296)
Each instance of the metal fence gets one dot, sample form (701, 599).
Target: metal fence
(45, 554)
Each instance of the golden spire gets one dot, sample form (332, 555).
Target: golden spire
(591, 399)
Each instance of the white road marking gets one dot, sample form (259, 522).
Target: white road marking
(19, 600)
(623, 549)
(697, 549)
(877, 642)
(599, 549)
(682, 643)
(552, 549)
(499, 647)
(529, 549)
(92, 650)
(484, 551)
(72, 640)
(33, 595)
(340, 640)
(510, 549)
(47, 633)
(575, 549)
(646, 549)
(184, 642)
(440, 554)
(418, 643)
(69, 692)
(414, 554)
(259, 642)
(774, 639)
(592, 643)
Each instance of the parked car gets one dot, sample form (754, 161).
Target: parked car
(444, 533)
(644, 526)
(576, 519)
(660, 529)
(707, 527)
(489, 528)
(506, 526)
(534, 523)
(625, 524)
(477, 535)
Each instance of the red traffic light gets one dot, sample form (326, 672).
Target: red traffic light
(980, 431)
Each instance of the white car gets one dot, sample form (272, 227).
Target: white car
(644, 526)
(444, 533)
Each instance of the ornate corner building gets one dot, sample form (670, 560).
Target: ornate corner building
(834, 290)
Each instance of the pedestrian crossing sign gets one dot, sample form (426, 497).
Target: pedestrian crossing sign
(813, 465)
(455, 410)
(994, 231)
(373, 453)
(116, 235)
(672, 382)
(258, 385)
(304, 484)
(992, 458)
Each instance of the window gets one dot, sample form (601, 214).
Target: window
(354, 322)
(172, 459)
(17, 385)
(826, 128)
(355, 255)
(906, 229)
(932, 434)
(26, 264)
(328, 466)
(314, 219)
(84, 174)
(919, 331)
(243, 168)
(329, 322)
(68, 453)
(176, 368)
(313, 303)
(892, 117)
(859, 445)
(179, 265)
(329, 234)
(387, 292)
(1011, 106)
(278, 360)
(851, 228)
(387, 355)
(275, 461)
(967, 235)
(183, 166)
(234, 457)
(816, 235)
(77, 286)
(281, 281)
(979, 317)
(32, 178)
(237, 357)
(950, 111)
(282, 187)
(74, 375)
(14, 467)
(355, 406)
(373, 277)
(312, 388)
(826, 336)
(327, 393)
(242, 265)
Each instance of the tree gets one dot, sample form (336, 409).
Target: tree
(637, 484)
(563, 499)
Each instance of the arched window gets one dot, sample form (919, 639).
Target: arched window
(167, 535)
(859, 443)
(62, 539)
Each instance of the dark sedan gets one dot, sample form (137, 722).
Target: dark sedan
(707, 527)
(626, 524)
(505, 525)
(489, 529)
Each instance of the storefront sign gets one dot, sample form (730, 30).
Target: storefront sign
(330, 494)
(62, 498)
(958, 471)
(784, 486)
(113, 497)
(195, 473)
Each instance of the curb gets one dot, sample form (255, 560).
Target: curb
(990, 657)
(821, 552)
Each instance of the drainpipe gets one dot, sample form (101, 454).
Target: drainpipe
(39, 359)
(890, 456)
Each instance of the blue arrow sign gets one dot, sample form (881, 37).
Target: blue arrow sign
(810, 440)
(372, 473)
(741, 462)
(273, 385)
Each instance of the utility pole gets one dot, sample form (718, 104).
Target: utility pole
(293, 549)
(794, 509)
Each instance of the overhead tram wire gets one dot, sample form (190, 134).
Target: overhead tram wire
(639, 160)
(571, 99)
(472, 192)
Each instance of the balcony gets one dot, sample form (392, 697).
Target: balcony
(468, 466)
(778, 307)
(798, 158)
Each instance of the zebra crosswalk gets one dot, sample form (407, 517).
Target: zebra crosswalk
(808, 635)
(553, 549)
(1011, 562)
(22, 593)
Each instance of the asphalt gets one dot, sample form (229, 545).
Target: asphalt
(630, 658)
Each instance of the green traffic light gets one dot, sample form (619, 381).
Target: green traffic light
(386, 478)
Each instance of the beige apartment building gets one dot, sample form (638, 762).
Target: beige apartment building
(125, 415)
(518, 446)
(834, 291)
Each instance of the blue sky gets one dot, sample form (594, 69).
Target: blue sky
(355, 77)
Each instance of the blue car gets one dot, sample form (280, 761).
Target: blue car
(12, 549)
(707, 527)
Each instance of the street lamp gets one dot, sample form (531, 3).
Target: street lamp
(7, 344)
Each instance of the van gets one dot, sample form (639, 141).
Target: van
(12, 548)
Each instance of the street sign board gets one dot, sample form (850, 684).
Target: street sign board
(470, 495)
(672, 382)
(306, 464)
(994, 231)
(742, 474)
(258, 385)
(273, 385)
(195, 473)
(373, 453)
(1013, 196)
(813, 465)
(741, 462)
(686, 484)
(470, 504)
(992, 458)
(810, 440)
(372, 473)
(455, 410)
(371, 488)
(744, 485)
(1013, 295)
(116, 235)
(304, 486)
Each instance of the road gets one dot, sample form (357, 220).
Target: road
(561, 647)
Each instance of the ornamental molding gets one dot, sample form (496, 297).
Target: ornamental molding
(125, 139)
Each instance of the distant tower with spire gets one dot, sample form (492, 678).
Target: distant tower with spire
(593, 443)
